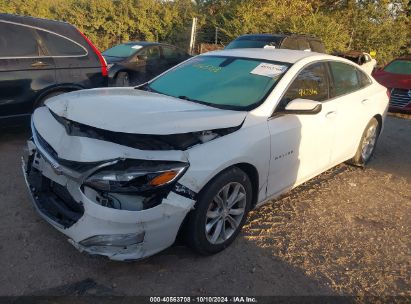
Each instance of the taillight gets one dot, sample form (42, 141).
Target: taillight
(389, 93)
(103, 62)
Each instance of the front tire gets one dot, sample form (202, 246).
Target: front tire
(367, 144)
(220, 212)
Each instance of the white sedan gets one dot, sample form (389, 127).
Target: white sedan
(122, 171)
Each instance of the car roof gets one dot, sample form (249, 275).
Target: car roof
(149, 43)
(282, 55)
(279, 35)
(33, 21)
(142, 43)
(59, 27)
(262, 35)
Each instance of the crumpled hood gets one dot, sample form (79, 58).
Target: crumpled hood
(129, 110)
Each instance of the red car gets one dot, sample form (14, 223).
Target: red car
(396, 76)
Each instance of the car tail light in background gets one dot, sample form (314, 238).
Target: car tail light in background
(389, 93)
(103, 62)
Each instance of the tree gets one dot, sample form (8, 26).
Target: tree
(366, 25)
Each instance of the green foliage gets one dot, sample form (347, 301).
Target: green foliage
(366, 25)
(108, 22)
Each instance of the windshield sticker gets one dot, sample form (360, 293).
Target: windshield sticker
(136, 47)
(207, 67)
(269, 70)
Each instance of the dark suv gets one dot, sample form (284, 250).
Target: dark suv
(42, 58)
(279, 41)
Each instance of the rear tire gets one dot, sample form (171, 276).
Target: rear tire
(367, 144)
(220, 212)
(122, 80)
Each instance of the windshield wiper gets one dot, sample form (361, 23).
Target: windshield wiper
(188, 98)
(197, 101)
(146, 87)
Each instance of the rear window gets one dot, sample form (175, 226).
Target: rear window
(122, 50)
(18, 41)
(60, 46)
(399, 67)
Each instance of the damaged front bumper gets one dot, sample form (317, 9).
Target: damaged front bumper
(96, 229)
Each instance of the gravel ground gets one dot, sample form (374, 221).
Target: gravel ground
(345, 232)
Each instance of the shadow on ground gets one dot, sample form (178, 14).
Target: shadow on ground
(342, 233)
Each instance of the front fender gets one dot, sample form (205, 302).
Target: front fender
(250, 145)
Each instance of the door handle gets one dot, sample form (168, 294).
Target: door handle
(39, 64)
(364, 101)
(331, 114)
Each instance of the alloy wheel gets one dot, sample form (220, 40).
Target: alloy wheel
(368, 143)
(225, 213)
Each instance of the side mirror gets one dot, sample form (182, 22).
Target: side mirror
(303, 106)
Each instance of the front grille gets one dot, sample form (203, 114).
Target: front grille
(53, 200)
(45, 145)
(400, 98)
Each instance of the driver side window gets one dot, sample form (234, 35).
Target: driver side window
(311, 83)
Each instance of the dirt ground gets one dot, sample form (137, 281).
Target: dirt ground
(345, 232)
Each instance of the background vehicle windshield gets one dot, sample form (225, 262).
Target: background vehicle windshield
(253, 42)
(122, 50)
(225, 82)
(399, 67)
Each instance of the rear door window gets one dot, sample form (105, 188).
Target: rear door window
(364, 79)
(345, 77)
(311, 83)
(18, 41)
(57, 45)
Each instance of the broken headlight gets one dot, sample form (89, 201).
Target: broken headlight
(133, 176)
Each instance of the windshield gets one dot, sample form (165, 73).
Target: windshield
(223, 82)
(253, 42)
(122, 50)
(399, 67)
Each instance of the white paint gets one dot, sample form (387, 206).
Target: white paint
(302, 104)
(369, 66)
(134, 111)
(286, 150)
